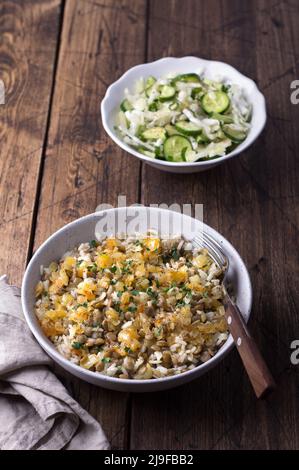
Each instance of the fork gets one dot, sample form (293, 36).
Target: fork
(255, 365)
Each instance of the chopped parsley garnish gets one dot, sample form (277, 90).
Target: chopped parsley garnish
(79, 262)
(77, 345)
(132, 308)
(113, 268)
(225, 88)
(85, 304)
(151, 293)
(172, 286)
(119, 293)
(186, 289)
(126, 270)
(153, 106)
(135, 292)
(93, 268)
(106, 360)
(93, 244)
(175, 254)
(158, 331)
(128, 350)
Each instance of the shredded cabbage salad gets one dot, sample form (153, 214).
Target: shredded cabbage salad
(184, 118)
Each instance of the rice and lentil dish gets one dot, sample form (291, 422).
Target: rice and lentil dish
(133, 308)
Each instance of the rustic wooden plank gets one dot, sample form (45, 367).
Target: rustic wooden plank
(252, 200)
(273, 173)
(100, 41)
(28, 40)
(82, 166)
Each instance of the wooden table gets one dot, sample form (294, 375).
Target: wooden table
(56, 60)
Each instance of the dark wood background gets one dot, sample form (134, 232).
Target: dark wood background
(56, 164)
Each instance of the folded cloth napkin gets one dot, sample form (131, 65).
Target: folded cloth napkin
(36, 411)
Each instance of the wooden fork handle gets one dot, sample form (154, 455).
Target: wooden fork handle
(256, 368)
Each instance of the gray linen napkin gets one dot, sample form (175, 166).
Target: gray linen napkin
(36, 411)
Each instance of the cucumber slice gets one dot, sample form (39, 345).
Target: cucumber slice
(126, 105)
(173, 106)
(225, 118)
(159, 153)
(187, 77)
(150, 81)
(154, 133)
(122, 120)
(153, 106)
(139, 131)
(248, 115)
(191, 156)
(149, 85)
(214, 85)
(199, 139)
(146, 152)
(196, 92)
(234, 133)
(170, 130)
(215, 102)
(187, 128)
(225, 88)
(167, 93)
(175, 148)
(204, 159)
(202, 138)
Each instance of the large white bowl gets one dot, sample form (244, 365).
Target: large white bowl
(162, 67)
(83, 230)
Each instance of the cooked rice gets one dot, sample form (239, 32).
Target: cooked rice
(134, 308)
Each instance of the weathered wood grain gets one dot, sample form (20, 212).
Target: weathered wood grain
(28, 37)
(82, 168)
(253, 201)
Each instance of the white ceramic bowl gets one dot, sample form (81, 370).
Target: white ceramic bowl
(162, 67)
(83, 230)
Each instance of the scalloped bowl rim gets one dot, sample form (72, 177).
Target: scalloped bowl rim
(252, 136)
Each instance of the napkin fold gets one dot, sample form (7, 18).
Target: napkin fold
(36, 411)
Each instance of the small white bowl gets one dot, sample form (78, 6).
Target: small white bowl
(162, 67)
(83, 230)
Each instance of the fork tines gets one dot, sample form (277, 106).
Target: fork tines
(205, 240)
